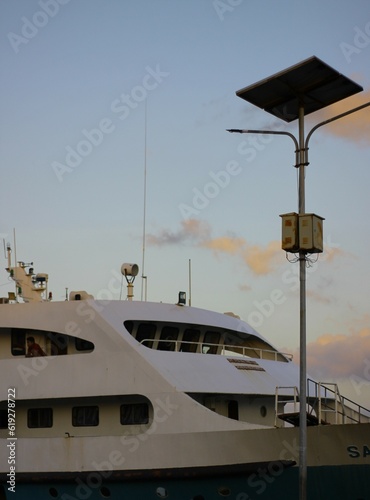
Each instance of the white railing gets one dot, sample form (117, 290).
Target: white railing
(222, 349)
(330, 401)
(325, 405)
(292, 399)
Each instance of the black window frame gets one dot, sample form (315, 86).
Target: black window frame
(85, 416)
(39, 418)
(134, 413)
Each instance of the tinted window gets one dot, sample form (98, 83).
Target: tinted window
(3, 419)
(39, 417)
(190, 337)
(18, 344)
(83, 345)
(85, 416)
(135, 413)
(58, 343)
(146, 331)
(168, 337)
(211, 338)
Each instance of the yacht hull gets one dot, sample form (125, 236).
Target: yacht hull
(350, 482)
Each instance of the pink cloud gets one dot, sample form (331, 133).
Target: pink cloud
(338, 356)
(356, 126)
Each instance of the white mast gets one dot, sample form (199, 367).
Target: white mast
(143, 277)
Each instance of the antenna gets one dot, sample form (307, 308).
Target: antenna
(15, 260)
(189, 282)
(143, 277)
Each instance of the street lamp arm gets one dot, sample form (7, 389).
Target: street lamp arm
(271, 132)
(332, 119)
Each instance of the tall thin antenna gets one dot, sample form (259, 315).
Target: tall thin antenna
(189, 282)
(15, 260)
(15, 247)
(143, 277)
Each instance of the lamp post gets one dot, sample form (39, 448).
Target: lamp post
(289, 95)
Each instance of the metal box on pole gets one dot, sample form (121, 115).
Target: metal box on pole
(311, 233)
(290, 237)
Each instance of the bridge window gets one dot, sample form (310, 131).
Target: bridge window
(211, 338)
(190, 339)
(167, 339)
(146, 331)
(129, 325)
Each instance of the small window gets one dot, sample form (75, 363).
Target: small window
(212, 338)
(85, 416)
(146, 331)
(18, 343)
(190, 339)
(167, 339)
(135, 413)
(83, 345)
(39, 417)
(3, 419)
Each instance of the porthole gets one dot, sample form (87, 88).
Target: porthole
(161, 492)
(263, 411)
(105, 492)
(224, 491)
(53, 492)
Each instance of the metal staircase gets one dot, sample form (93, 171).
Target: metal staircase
(325, 405)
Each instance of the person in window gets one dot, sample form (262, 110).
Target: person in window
(33, 349)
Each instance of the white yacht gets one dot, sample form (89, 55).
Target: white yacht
(137, 400)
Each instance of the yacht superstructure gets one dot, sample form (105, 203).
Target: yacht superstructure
(149, 400)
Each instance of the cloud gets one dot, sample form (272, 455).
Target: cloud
(191, 230)
(356, 126)
(331, 253)
(338, 356)
(261, 260)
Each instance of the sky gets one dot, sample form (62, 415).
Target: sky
(113, 118)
